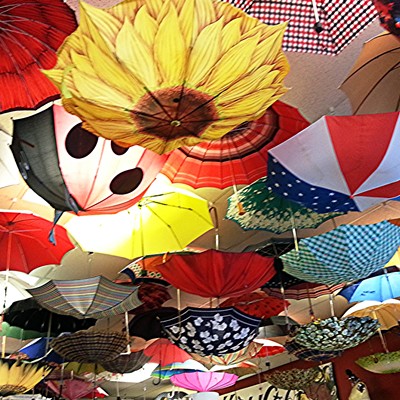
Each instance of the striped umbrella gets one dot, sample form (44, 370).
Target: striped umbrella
(96, 297)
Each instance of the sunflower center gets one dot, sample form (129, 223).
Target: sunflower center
(175, 112)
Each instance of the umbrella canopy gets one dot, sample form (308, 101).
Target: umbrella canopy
(257, 304)
(380, 286)
(389, 15)
(214, 273)
(386, 312)
(74, 170)
(169, 90)
(152, 295)
(272, 247)
(204, 381)
(321, 26)
(90, 346)
(345, 178)
(177, 368)
(39, 349)
(126, 363)
(171, 395)
(372, 84)
(164, 352)
(96, 297)
(27, 319)
(239, 157)
(346, 253)
(307, 354)
(215, 331)
(71, 389)
(293, 379)
(9, 174)
(381, 363)
(24, 243)
(262, 209)
(178, 217)
(30, 32)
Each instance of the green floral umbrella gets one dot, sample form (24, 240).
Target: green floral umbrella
(381, 363)
(254, 207)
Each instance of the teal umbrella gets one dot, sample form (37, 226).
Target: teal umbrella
(254, 207)
(347, 253)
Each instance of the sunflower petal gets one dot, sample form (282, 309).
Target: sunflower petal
(231, 35)
(146, 26)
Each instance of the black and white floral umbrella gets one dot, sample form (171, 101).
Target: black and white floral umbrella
(215, 331)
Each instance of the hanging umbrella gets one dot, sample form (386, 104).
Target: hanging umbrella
(74, 170)
(169, 90)
(24, 243)
(214, 273)
(386, 312)
(257, 304)
(239, 157)
(333, 334)
(269, 348)
(345, 178)
(213, 331)
(39, 349)
(380, 286)
(322, 27)
(178, 217)
(31, 33)
(372, 85)
(152, 295)
(9, 174)
(163, 352)
(27, 319)
(89, 371)
(272, 247)
(90, 346)
(96, 297)
(389, 15)
(346, 253)
(71, 389)
(177, 368)
(126, 363)
(312, 355)
(18, 377)
(293, 379)
(262, 209)
(381, 363)
(171, 395)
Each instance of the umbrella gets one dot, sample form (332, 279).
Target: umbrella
(71, 389)
(31, 33)
(322, 27)
(257, 304)
(239, 157)
(126, 363)
(346, 253)
(90, 346)
(163, 352)
(204, 381)
(95, 297)
(18, 377)
(8, 169)
(215, 331)
(169, 90)
(24, 243)
(386, 312)
(38, 349)
(27, 319)
(381, 363)
(293, 379)
(333, 334)
(312, 355)
(262, 209)
(380, 286)
(272, 247)
(214, 273)
(269, 348)
(389, 15)
(74, 170)
(152, 295)
(171, 395)
(345, 178)
(178, 217)
(177, 368)
(372, 85)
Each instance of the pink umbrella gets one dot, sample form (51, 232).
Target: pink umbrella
(71, 389)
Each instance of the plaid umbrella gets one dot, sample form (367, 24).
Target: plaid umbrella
(96, 297)
(214, 331)
(126, 363)
(315, 26)
(346, 253)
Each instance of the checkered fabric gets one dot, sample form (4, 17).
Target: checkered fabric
(341, 20)
(346, 253)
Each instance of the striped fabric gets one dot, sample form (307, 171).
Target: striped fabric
(96, 297)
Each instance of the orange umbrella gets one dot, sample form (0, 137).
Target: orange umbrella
(163, 352)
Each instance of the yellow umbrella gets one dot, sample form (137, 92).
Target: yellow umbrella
(164, 74)
(157, 224)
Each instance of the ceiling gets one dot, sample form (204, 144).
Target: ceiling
(313, 82)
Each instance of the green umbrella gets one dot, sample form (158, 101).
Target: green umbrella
(254, 207)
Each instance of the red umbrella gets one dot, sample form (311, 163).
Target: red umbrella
(215, 273)
(31, 31)
(71, 389)
(152, 295)
(240, 156)
(257, 304)
(24, 243)
(163, 352)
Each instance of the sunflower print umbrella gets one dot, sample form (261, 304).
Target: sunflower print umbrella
(167, 74)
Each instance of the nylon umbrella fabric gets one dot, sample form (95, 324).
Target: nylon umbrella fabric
(152, 296)
(372, 85)
(96, 297)
(31, 32)
(176, 216)
(320, 26)
(71, 389)
(215, 331)
(126, 363)
(334, 173)
(74, 170)
(24, 243)
(162, 351)
(204, 381)
(239, 157)
(346, 253)
(177, 368)
(214, 273)
(262, 209)
(389, 15)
